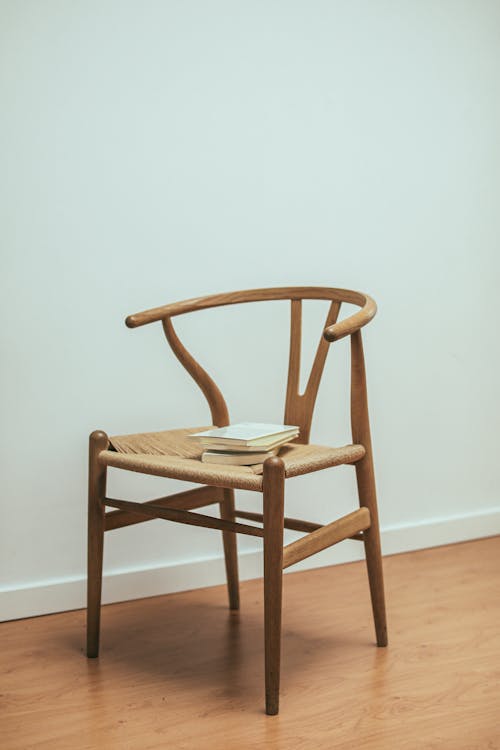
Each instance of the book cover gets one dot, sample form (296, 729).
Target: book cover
(248, 433)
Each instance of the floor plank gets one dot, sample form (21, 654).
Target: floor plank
(181, 671)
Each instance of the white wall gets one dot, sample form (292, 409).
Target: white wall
(152, 151)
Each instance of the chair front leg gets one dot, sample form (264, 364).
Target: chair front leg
(274, 494)
(97, 492)
(230, 550)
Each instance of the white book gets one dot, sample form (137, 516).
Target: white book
(248, 434)
(265, 444)
(237, 459)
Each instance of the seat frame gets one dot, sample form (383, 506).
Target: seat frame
(361, 524)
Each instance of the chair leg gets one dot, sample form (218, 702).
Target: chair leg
(367, 497)
(273, 490)
(97, 492)
(365, 476)
(230, 550)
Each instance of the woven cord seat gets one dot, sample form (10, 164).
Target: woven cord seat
(170, 453)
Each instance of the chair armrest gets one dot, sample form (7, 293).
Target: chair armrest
(197, 303)
(331, 333)
(160, 313)
(353, 323)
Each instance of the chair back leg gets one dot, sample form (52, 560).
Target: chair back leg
(365, 476)
(230, 550)
(371, 538)
(273, 496)
(97, 493)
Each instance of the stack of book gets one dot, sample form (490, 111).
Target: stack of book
(245, 443)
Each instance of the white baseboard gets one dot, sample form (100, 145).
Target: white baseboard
(66, 594)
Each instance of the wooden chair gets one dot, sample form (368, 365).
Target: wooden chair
(171, 454)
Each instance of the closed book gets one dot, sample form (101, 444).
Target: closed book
(235, 458)
(248, 434)
(224, 445)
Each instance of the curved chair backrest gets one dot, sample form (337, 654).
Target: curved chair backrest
(299, 407)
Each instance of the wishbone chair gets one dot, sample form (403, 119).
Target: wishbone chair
(171, 454)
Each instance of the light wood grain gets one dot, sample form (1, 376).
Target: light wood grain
(229, 541)
(334, 332)
(188, 500)
(183, 516)
(295, 524)
(218, 407)
(181, 672)
(98, 442)
(365, 476)
(326, 536)
(274, 498)
(299, 407)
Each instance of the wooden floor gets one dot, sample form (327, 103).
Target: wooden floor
(181, 672)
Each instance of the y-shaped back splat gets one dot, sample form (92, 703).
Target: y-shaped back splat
(218, 407)
(299, 407)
